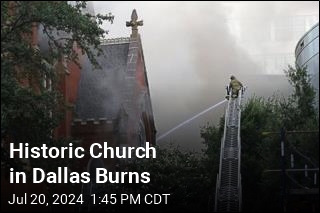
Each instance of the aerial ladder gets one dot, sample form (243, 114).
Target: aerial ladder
(228, 187)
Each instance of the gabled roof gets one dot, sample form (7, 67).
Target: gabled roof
(99, 92)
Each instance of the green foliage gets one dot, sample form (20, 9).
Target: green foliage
(302, 101)
(29, 111)
(304, 93)
(180, 174)
(62, 23)
(212, 140)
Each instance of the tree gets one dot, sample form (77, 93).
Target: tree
(181, 174)
(302, 101)
(29, 111)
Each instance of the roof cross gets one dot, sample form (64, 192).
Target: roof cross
(134, 23)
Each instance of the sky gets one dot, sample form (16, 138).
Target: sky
(192, 48)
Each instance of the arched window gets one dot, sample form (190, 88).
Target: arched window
(142, 134)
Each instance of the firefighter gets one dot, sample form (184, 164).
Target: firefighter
(234, 86)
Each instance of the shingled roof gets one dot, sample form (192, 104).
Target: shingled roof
(99, 93)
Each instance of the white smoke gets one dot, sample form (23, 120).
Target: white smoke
(191, 51)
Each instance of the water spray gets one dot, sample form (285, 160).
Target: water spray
(190, 119)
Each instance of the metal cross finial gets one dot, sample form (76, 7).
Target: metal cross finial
(134, 23)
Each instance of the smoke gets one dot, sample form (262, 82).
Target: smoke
(190, 52)
(195, 56)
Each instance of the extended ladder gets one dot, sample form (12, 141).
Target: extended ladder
(228, 187)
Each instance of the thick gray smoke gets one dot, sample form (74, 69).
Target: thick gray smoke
(190, 53)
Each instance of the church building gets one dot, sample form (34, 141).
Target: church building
(113, 104)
